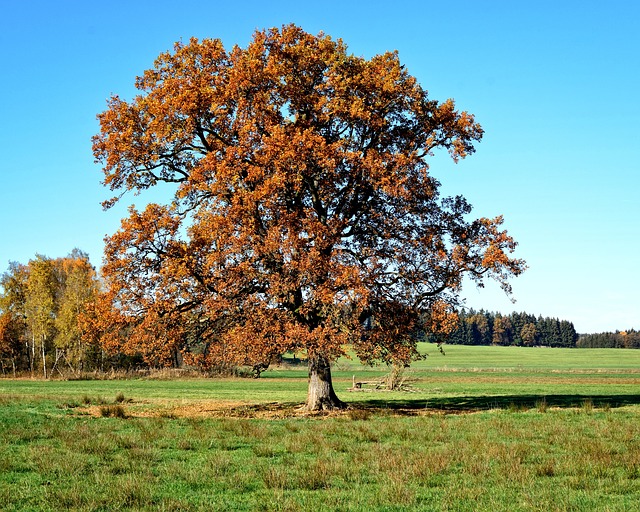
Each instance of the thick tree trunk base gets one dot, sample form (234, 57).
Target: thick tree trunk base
(321, 396)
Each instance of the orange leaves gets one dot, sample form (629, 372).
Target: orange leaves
(494, 256)
(441, 319)
(102, 324)
(12, 328)
(497, 246)
(303, 209)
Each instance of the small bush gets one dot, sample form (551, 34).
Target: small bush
(112, 411)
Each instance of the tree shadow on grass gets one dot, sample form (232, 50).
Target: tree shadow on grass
(466, 404)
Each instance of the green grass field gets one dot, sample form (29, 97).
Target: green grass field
(484, 428)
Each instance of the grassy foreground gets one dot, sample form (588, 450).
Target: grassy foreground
(517, 433)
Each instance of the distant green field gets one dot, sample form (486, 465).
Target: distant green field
(527, 358)
(482, 428)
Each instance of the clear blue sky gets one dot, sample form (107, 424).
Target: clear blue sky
(555, 84)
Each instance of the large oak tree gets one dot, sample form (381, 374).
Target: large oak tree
(303, 215)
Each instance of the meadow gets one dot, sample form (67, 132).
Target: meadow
(479, 428)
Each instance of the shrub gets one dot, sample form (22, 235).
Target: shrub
(112, 411)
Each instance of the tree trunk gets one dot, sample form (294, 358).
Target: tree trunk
(44, 357)
(321, 396)
(32, 353)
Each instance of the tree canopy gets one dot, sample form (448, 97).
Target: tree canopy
(303, 215)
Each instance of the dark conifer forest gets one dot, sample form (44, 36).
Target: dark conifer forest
(527, 330)
(518, 329)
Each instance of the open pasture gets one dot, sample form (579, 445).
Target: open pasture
(492, 429)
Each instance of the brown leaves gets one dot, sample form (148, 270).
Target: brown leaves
(302, 209)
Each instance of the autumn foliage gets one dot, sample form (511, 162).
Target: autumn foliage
(302, 215)
(40, 305)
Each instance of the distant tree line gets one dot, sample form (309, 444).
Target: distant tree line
(618, 339)
(519, 329)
